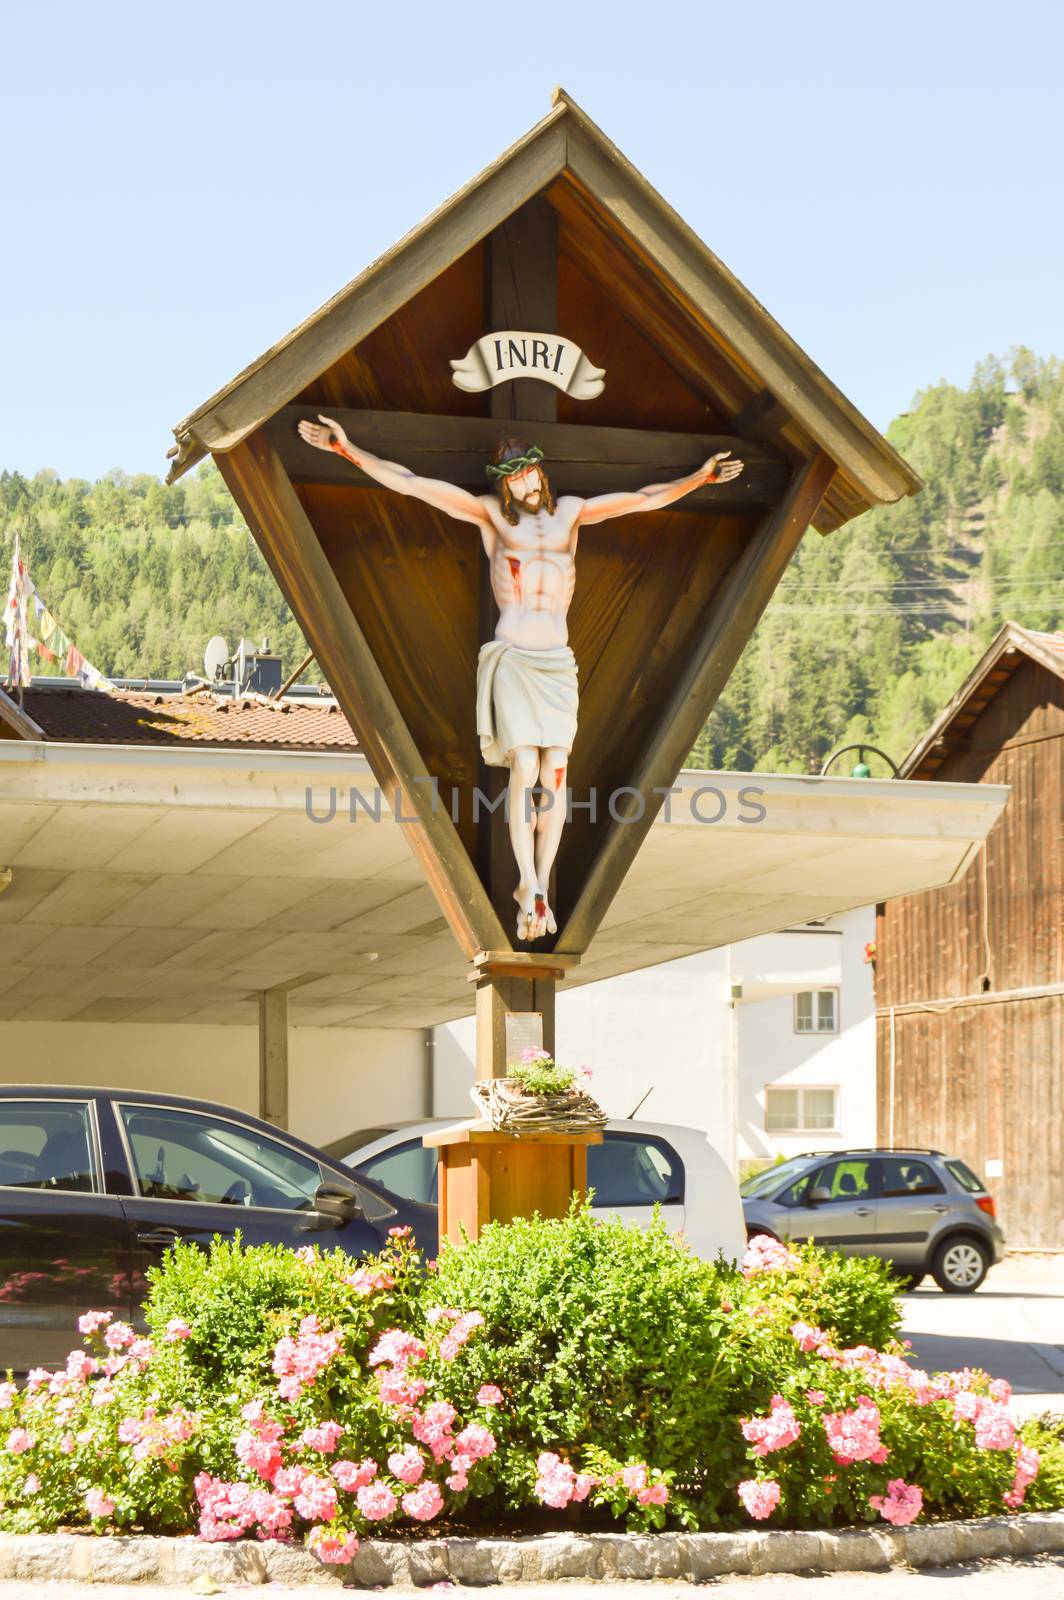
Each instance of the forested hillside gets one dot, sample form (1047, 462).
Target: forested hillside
(870, 632)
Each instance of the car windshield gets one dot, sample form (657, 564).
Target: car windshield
(760, 1183)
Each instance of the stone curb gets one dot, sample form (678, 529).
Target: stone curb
(691, 1557)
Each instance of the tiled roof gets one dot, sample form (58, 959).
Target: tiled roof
(122, 716)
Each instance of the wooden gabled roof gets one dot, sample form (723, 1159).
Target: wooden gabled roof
(750, 373)
(1012, 646)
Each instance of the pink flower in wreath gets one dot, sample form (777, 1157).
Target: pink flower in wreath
(760, 1496)
(901, 1504)
(425, 1503)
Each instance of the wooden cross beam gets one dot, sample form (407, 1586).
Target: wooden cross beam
(581, 459)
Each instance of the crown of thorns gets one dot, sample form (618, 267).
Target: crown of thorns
(514, 464)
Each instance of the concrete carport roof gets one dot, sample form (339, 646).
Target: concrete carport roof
(175, 885)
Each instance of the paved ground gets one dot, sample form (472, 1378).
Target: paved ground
(1036, 1579)
(1013, 1326)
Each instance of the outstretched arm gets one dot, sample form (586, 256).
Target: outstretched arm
(600, 507)
(328, 435)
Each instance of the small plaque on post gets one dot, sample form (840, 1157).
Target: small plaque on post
(524, 1031)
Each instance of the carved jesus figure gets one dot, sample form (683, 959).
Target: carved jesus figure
(526, 675)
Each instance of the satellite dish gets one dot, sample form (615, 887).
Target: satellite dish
(215, 658)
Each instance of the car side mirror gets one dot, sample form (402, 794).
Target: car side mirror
(818, 1195)
(337, 1200)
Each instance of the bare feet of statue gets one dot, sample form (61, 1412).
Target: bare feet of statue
(534, 915)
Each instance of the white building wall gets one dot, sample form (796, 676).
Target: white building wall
(338, 1078)
(771, 1052)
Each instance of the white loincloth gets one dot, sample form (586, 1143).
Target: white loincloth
(525, 697)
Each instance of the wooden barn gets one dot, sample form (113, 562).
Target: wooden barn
(970, 978)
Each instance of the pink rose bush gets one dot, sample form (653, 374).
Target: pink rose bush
(588, 1372)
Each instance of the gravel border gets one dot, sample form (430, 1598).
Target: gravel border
(139, 1558)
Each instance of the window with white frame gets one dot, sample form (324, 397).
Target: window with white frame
(816, 1011)
(800, 1109)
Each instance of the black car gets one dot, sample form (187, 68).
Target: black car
(96, 1184)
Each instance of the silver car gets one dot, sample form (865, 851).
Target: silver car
(637, 1166)
(921, 1210)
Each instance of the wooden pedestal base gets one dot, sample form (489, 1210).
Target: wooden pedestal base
(486, 1176)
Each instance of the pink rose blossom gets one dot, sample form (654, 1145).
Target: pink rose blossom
(118, 1336)
(316, 1499)
(79, 1366)
(489, 1395)
(8, 1391)
(397, 1347)
(994, 1428)
(457, 1481)
(655, 1494)
(376, 1501)
(396, 1389)
(901, 1504)
(336, 1549)
(97, 1504)
(32, 1485)
(400, 1233)
(261, 1455)
(324, 1438)
(774, 1432)
(176, 1330)
(1000, 1389)
(66, 1444)
(408, 1466)
(92, 1320)
(19, 1440)
(289, 1480)
(352, 1476)
(557, 1483)
(425, 1503)
(432, 1427)
(854, 1435)
(816, 1397)
(806, 1336)
(765, 1254)
(760, 1496)
(476, 1441)
(1028, 1462)
(366, 1281)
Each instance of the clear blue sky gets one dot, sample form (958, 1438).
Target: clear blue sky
(183, 183)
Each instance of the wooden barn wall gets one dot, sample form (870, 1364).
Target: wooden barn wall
(987, 1080)
(986, 1083)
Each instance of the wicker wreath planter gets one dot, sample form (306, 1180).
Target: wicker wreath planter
(512, 1109)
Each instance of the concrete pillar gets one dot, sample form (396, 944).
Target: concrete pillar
(273, 1056)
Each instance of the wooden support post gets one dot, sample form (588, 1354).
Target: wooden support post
(487, 1176)
(273, 1056)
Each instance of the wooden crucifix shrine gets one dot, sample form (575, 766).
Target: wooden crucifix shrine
(528, 484)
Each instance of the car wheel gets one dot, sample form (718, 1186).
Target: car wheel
(960, 1265)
